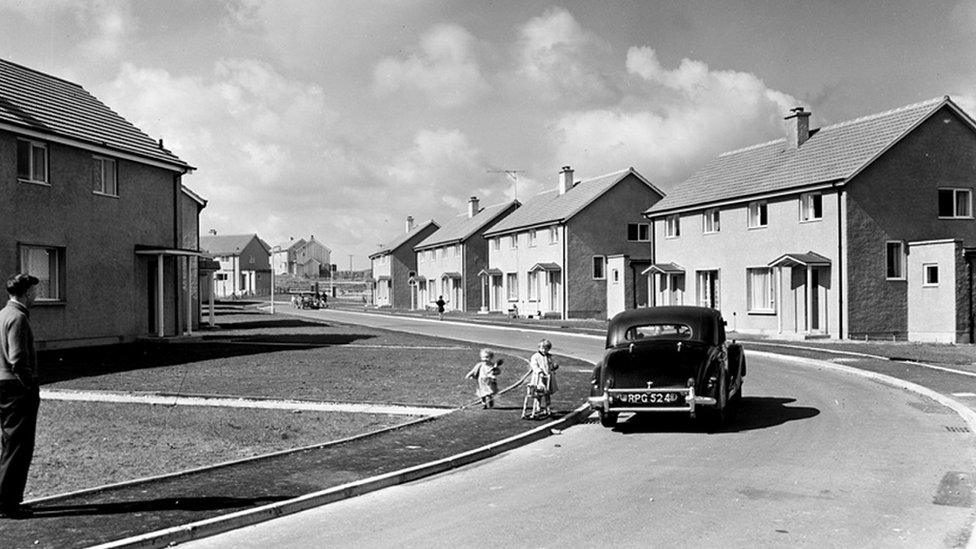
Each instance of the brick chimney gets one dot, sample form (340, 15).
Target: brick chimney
(799, 131)
(473, 208)
(409, 223)
(565, 179)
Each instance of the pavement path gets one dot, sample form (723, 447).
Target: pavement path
(816, 458)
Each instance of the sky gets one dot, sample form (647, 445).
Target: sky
(341, 118)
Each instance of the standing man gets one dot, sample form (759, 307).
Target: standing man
(19, 395)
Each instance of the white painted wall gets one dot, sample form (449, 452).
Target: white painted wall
(446, 259)
(932, 308)
(522, 258)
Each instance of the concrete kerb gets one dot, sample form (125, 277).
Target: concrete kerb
(240, 519)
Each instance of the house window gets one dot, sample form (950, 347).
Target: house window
(672, 226)
(931, 271)
(895, 260)
(104, 176)
(511, 282)
(553, 235)
(533, 285)
(638, 232)
(47, 264)
(615, 276)
(599, 267)
(811, 207)
(955, 203)
(708, 289)
(532, 235)
(710, 221)
(457, 250)
(430, 255)
(31, 161)
(513, 241)
(496, 243)
(220, 276)
(758, 216)
(760, 291)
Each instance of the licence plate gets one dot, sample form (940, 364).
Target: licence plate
(650, 399)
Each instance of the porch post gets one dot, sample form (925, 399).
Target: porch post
(810, 291)
(160, 317)
(211, 279)
(189, 297)
(779, 299)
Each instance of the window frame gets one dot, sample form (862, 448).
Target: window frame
(902, 260)
(532, 237)
(672, 226)
(711, 221)
(808, 209)
(32, 179)
(926, 269)
(496, 243)
(770, 302)
(603, 266)
(554, 234)
(513, 241)
(761, 210)
(639, 229)
(59, 263)
(511, 286)
(955, 202)
(533, 286)
(102, 161)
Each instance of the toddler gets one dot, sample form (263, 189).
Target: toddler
(486, 372)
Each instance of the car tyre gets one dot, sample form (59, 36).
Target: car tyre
(608, 419)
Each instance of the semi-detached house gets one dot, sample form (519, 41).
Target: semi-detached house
(245, 268)
(96, 209)
(449, 261)
(862, 229)
(550, 256)
(394, 266)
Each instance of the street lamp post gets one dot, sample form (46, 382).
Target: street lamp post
(271, 261)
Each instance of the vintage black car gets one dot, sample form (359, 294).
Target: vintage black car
(668, 359)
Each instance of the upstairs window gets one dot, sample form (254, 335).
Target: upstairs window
(599, 267)
(496, 243)
(513, 241)
(955, 203)
(895, 260)
(532, 235)
(457, 250)
(710, 221)
(105, 177)
(553, 234)
(758, 214)
(638, 232)
(811, 207)
(32, 161)
(672, 226)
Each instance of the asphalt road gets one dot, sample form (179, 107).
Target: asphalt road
(815, 459)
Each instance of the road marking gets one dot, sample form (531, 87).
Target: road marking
(965, 395)
(865, 355)
(224, 402)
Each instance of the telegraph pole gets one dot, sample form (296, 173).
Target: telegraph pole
(513, 175)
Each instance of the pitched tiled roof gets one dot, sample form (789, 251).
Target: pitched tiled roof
(402, 239)
(552, 207)
(463, 227)
(229, 244)
(43, 103)
(832, 153)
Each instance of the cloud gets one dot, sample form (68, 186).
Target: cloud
(672, 120)
(562, 60)
(444, 69)
(105, 25)
(440, 169)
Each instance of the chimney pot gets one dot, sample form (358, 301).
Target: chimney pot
(799, 130)
(409, 223)
(565, 179)
(473, 206)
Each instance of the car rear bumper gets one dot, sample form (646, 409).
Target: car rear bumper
(603, 403)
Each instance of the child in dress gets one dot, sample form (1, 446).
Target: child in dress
(543, 367)
(486, 372)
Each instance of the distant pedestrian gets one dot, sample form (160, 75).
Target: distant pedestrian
(486, 372)
(19, 395)
(440, 306)
(543, 379)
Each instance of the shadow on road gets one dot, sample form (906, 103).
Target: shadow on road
(754, 412)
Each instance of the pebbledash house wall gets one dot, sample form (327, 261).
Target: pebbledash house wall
(896, 198)
(106, 286)
(736, 247)
(601, 229)
(190, 240)
(403, 260)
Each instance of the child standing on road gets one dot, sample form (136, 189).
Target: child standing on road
(486, 372)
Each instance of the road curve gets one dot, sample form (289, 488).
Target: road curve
(816, 459)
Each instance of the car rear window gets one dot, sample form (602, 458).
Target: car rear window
(660, 331)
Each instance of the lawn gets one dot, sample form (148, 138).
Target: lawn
(82, 444)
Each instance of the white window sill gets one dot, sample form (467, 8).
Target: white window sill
(762, 313)
(710, 232)
(812, 220)
(956, 217)
(896, 279)
(757, 227)
(99, 193)
(50, 303)
(34, 182)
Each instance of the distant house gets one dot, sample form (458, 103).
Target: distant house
(449, 261)
(301, 257)
(395, 264)
(862, 229)
(550, 256)
(97, 210)
(245, 268)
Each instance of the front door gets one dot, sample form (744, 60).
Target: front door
(496, 293)
(814, 313)
(554, 291)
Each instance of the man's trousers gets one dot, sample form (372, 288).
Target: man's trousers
(18, 423)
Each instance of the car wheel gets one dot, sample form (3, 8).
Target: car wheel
(608, 419)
